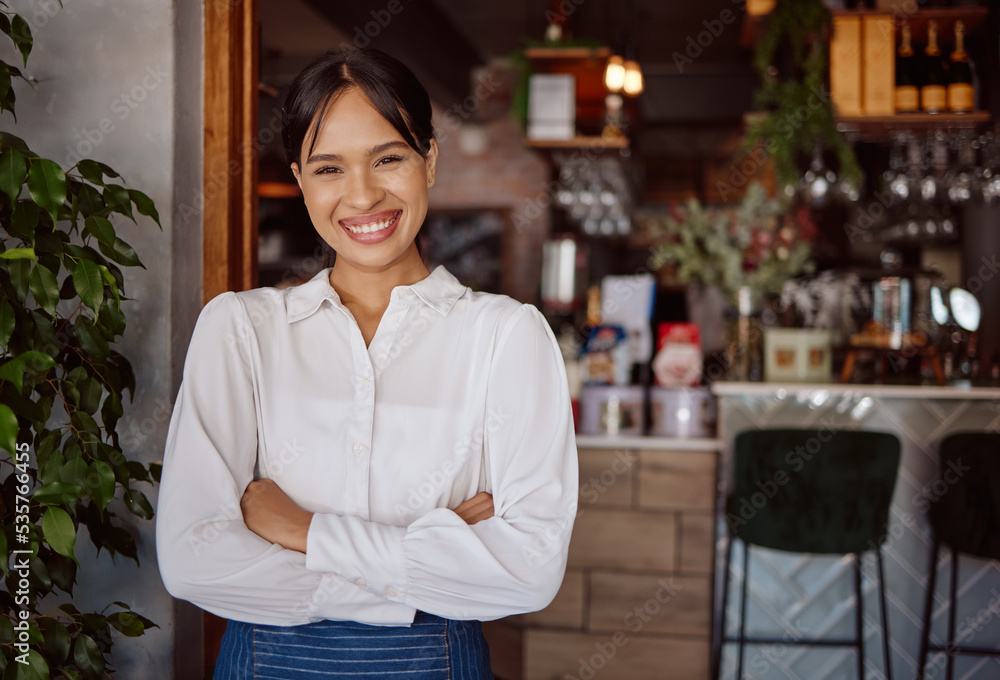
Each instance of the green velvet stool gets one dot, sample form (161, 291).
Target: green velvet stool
(816, 491)
(965, 517)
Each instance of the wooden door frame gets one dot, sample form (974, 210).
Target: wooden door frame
(229, 256)
(231, 146)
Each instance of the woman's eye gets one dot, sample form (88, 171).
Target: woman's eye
(388, 160)
(327, 170)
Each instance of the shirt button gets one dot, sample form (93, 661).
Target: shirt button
(359, 449)
(393, 318)
(361, 582)
(365, 382)
(391, 592)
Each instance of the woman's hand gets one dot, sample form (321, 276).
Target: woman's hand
(476, 509)
(272, 515)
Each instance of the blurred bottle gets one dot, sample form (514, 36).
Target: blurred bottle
(934, 91)
(961, 94)
(907, 82)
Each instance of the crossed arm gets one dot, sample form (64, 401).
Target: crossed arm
(271, 514)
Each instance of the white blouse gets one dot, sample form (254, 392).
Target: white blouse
(457, 393)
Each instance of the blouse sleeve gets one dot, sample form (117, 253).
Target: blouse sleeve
(206, 553)
(513, 562)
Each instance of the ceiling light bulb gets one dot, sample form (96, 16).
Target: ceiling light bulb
(633, 83)
(614, 74)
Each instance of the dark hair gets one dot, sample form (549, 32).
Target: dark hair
(390, 86)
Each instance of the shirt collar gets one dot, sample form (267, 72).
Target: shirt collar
(439, 291)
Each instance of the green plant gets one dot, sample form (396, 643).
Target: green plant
(797, 115)
(758, 244)
(61, 391)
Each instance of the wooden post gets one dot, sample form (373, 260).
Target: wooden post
(231, 146)
(230, 173)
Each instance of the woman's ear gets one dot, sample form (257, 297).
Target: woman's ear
(431, 161)
(295, 171)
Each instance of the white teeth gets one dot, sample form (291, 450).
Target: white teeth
(371, 227)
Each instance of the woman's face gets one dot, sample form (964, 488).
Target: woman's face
(364, 187)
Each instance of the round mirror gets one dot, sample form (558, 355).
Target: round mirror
(965, 308)
(939, 310)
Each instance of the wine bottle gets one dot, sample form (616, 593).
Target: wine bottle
(907, 90)
(934, 92)
(960, 92)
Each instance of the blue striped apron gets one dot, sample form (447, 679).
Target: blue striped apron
(432, 648)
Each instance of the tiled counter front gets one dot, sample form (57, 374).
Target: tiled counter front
(636, 601)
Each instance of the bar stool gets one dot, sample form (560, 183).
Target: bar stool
(965, 517)
(816, 491)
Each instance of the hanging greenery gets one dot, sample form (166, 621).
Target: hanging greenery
(62, 388)
(797, 115)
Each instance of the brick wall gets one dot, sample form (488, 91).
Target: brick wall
(506, 175)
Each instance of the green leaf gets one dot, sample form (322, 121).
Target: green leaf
(74, 471)
(63, 572)
(85, 422)
(91, 340)
(42, 283)
(122, 253)
(144, 204)
(107, 170)
(13, 172)
(91, 171)
(37, 667)
(24, 219)
(101, 483)
(57, 493)
(13, 370)
(59, 530)
(40, 571)
(89, 200)
(90, 391)
(111, 410)
(88, 657)
(88, 284)
(19, 254)
(56, 638)
(127, 624)
(110, 316)
(118, 199)
(7, 320)
(20, 33)
(20, 271)
(101, 229)
(8, 429)
(47, 186)
(6, 630)
(138, 504)
(4, 82)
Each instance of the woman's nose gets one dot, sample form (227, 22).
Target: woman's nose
(363, 191)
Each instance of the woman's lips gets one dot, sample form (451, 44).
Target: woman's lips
(371, 228)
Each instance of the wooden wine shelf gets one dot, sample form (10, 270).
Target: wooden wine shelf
(578, 142)
(880, 127)
(567, 53)
(945, 16)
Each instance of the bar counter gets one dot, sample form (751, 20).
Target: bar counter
(636, 601)
(920, 417)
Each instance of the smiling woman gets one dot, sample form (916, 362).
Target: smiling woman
(369, 464)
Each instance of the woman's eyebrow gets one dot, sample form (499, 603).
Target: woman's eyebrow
(333, 157)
